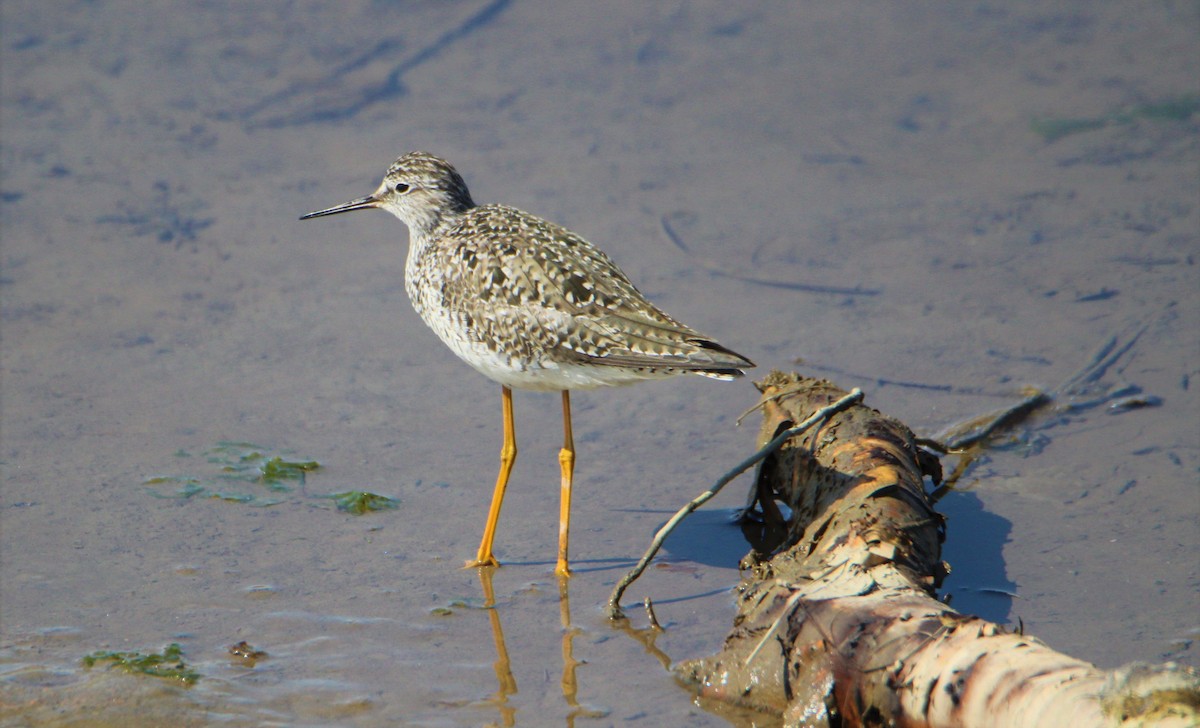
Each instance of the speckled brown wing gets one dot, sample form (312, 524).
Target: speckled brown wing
(537, 291)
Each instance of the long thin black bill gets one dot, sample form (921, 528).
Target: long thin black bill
(363, 203)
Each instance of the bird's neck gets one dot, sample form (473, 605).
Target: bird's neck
(430, 222)
(424, 230)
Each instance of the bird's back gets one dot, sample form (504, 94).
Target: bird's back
(533, 305)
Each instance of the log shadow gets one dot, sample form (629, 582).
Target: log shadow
(974, 548)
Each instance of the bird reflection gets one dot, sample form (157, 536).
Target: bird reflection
(504, 677)
(569, 685)
(507, 684)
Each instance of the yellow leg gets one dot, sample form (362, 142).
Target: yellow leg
(508, 456)
(566, 462)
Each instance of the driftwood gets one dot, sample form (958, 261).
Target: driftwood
(838, 624)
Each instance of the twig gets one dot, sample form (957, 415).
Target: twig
(961, 436)
(792, 601)
(976, 430)
(651, 615)
(614, 602)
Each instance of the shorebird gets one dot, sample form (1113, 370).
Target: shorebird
(531, 305)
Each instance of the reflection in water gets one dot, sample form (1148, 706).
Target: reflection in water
(504, 677)
(507, 684)
(569, 686)
(647, 637)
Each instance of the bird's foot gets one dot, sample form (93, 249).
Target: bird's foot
(477, 562)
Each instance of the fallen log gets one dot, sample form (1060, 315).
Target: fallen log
(838, 622)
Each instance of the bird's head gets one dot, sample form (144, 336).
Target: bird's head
(419, 188)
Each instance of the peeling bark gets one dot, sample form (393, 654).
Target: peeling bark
(838, 623)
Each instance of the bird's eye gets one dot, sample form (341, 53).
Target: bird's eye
(401, 188)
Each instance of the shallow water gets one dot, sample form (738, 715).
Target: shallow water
(159, 297)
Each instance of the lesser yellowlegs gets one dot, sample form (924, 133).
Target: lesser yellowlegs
(528, 304)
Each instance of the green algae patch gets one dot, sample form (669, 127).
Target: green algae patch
(249, 463)
(244, 473)
(1176, 109)
(250, 474)
(359, 502)
(169, 665)
(277, 470)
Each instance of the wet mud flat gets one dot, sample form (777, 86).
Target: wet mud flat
(937, 205)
